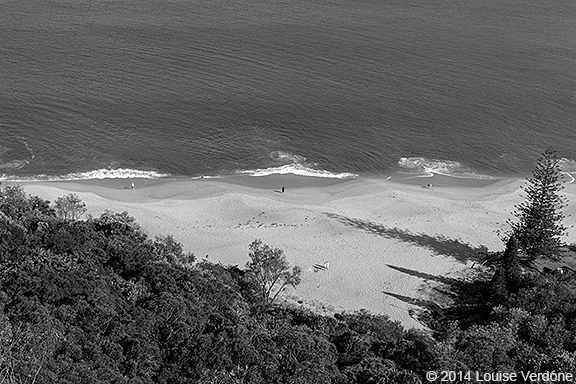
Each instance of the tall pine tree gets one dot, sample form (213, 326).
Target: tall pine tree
(507, 278)
(539, 226)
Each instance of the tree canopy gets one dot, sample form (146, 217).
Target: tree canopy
(539, 219)
(270, 271)
(70, 207)
(97, 301)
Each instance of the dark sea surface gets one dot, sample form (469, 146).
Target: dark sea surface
(183, 88)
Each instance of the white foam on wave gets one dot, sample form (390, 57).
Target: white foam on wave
(296, 165)
(286, 157)
(297, 169)
(119, 173)
(567, 167)
(27, 146)
(430, 167)
(14, 164)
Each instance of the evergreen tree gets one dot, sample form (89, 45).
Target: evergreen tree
(539, 225)
(498, 289)
(511, 265)
(506, 280)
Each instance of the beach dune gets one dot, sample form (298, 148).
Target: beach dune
(386, 242)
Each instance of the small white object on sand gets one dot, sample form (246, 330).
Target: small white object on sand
(321, 267)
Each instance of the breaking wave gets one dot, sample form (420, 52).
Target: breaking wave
(568, 167)
(423, 167)
(297, 169)
(286, 157)
(119, 173)
(296, 165)
(14, 164)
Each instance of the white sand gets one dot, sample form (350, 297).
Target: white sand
(378, 236)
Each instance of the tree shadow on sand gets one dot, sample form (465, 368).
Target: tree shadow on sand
(463, 299)
(423, 275)
(439, 244)
(424, 304)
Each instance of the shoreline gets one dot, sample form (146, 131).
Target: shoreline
(270, 181)
(147, 190)
(387, 241)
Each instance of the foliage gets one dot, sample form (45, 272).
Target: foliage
(532, 325)
(539, 226)
(507, 278)
(96, 301)
(270, 271)
(169, 250)
(515, 339)
(70, 207)
(17, 205)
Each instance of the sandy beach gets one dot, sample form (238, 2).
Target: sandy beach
(386, 241)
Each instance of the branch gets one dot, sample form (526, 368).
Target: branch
(279, 290)
(272, 285)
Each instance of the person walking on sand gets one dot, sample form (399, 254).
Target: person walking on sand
(132, 185)
(282, 189)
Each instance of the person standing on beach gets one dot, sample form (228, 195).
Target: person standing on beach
(132, 185)
(282, 189)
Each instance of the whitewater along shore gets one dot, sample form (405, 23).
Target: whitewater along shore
(387, 243)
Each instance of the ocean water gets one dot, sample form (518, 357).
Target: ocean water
(334, 88)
